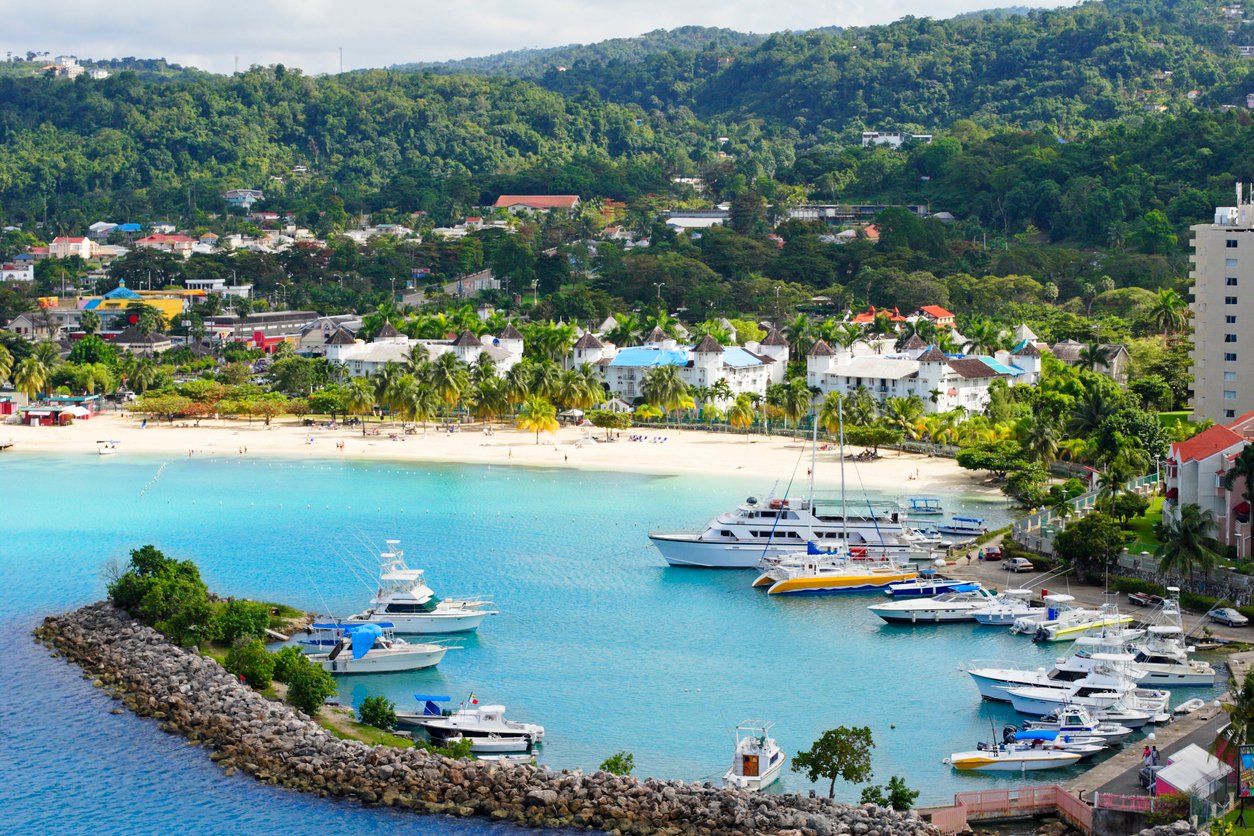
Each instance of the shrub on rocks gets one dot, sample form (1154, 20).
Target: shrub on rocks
(308, 686)
(251, 660)
(166, 593)
(379, 712)
(286, 660)
(237, 620)
(619, 763)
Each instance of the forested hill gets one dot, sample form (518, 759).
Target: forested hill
(534, 63)
(1065, 68)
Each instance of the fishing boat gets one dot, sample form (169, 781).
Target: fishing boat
(107, 448)
(1011, 606)
(472, 720)
(492, 744)
(1107, 685)
(758, 758)
(948, 608)
(815, 573)
(994, 678)
(1164, 654)
(1026, 756)
(1077, 622)
(1076, 720)
(431, 708)
(404, 601)
(369, 648)
(1083, 745)
(963, 527)
(923, 587)
(924, 506)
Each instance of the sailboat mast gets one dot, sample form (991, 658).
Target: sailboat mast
(814, 454)
(844, 516)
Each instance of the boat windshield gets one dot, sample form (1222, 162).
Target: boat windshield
(428, 605)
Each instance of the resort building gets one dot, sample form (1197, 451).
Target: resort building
(316, 335)
(1114, 362)
(362, 359)
(750, 368)
(1222, 305)
(944, 382)
(537, 202)
(24, 272)
(1195, 473)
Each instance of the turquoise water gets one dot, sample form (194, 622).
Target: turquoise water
(597, 639)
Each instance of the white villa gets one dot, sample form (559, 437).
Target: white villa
(954, 380)
(362, 359)
(750, 368)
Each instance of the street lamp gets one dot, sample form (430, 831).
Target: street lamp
(659, 286)
(535, 291)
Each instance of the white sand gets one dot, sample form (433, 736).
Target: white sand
(684, 451)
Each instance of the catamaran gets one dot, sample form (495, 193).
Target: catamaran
(406, 602)
(813, 572)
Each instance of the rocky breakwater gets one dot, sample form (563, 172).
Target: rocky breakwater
(275, 743)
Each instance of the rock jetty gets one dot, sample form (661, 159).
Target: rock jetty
(197, 697)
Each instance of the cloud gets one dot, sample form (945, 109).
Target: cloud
(309, 33)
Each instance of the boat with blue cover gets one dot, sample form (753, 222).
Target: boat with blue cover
(369, 648)
(963, 527)
(924, 587)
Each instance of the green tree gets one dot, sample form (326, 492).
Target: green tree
(619, 763)
(842, 752)
(1090, 543)
(537, 415)
(377, 711)
(237, 619)
(1188, 542)
(308, 686)
(286, 660)
(30, 377)
(250, 661)
(895, 795)
(740, 413)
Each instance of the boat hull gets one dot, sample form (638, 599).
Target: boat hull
(923, 616)
(837, 585)
(1166, 678)
(754, 783)
(429, 624)
(689, 551)
(1012, 762)
(410, 660)
(992, 686)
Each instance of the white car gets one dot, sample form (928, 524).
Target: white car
(1018, 564)
(1228, 616)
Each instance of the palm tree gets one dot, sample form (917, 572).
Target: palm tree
(720, 390)
(484, 368)
(797, 399)
(860, 407)
(830, 411)
(1090, 410)
(487, 400)
(983, 337)
(579, 388)
(416, 358)
(846, 334)
(1169, 311)
(48, 353)
(1239, 706)
(6, 364)
(449, 378)
(518, 382)
(1092, 356)
(361, 398)
(664, 388)
(1041, 439)
(1188, 542)
(740, 413)
(903, 413)
(537, 415)
(30, 376)
(416, 401)
(627, 331)
(545, 378)
(800, 334)
(89, 322)
(386, 382)
(143, 375)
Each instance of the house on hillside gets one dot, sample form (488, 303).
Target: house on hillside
(243, 198)
(936, 315)
(65, 247)
(1115, 358)
(537, 202)
(1194, 475)
(180, 245)
(15, 272)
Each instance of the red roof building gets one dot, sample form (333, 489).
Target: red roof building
(936, 314)
(1196, 470)
(536, 202)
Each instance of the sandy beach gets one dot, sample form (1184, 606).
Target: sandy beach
(683, 451)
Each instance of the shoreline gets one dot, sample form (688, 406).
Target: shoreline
(684, 451)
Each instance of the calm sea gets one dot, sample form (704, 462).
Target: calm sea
(597, 639)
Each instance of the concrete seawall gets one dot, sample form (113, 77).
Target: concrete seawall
(273, 742)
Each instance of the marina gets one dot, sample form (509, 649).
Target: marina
(548, 588)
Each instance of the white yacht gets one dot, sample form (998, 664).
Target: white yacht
(406, 602)
(758, 759)
(742, 538)
(1107, 685)
(994, 678)
(1164, 654)
(1011, 605)
(370, 648)
(472, 721)
(950, 607)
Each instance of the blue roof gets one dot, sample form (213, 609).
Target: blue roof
(646, 356)
(92, 305)
(738, 358)
(1000, 368)
(127, 228)
(122, 292)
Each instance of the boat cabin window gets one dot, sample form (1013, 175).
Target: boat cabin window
(726, 533)
(429, 606)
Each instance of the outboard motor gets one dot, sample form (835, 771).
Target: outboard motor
(1008, 733)
(1040, 635)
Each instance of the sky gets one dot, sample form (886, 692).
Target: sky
(376, 33)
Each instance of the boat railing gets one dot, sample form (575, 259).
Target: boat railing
(999, 664)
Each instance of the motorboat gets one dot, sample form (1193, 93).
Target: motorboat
(758, 759)
(1163, 652)
(994, 678)
(756, 531)
(432, 707)
(962, 527)
(472, 720)
(951, 607)
(815, 573)
(406, 602)
(1076, 720)
(1063, 621)
(492, 744)
(370, 648)
(1082, 745)
(1105, 686)
(107, 448)
(924, 506)
(1011, 606)
(1129, 717)
(1025, 756)
(923, 588)
(508, 758)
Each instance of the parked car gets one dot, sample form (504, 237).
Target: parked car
(993, 553)
(1018, 564)
(1229, 617)
(1147, 777)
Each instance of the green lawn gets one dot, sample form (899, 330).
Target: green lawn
(1231, 818)
(1143, 527)
(1167, 419)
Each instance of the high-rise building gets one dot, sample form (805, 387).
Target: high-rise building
(1223, 313)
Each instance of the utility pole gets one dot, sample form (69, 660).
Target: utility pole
(341, 60)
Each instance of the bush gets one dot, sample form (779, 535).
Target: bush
(308, 686)
(896, 795)
(1197, 603)
(241, 619)
(166, 594)
(286, 661)
(379, 712)
(458, 751)
(252, 662)
(619, 763)
(1131, 585)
